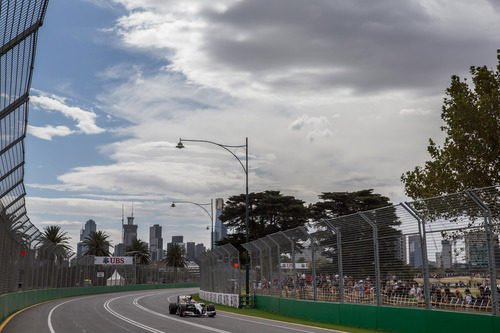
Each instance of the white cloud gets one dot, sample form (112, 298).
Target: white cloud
(86, 120)
(48, 132)
(418, 111)
(316, 127)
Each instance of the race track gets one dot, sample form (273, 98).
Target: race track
(144, 311)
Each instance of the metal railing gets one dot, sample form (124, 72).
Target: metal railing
(439, 253)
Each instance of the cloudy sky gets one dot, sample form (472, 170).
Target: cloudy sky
(332, 95)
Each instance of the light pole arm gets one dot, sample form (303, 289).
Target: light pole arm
(210, 215)
(226, 147)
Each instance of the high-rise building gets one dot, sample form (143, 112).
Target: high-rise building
(199, 249)
(129, 231)
(400, 248)
(177, 239)
(120, 250)
(220, 231)
(155, 243)
(90, 227)
(415, 250)
(476, 248)
(446, 257)
(190, 251)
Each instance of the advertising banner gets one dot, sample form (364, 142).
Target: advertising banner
(298, 265)
(113, 260)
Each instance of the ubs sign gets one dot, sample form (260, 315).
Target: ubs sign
(113, 260)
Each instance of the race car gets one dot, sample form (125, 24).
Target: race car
(187, 306)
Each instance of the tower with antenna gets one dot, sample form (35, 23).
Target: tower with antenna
(129, 230)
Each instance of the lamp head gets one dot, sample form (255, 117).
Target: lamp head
(172, 205)
(180, 145)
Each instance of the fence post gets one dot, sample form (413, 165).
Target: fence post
(377, 258)
(491, 248)
(270, 264)
(423, 249)
(279, 263)
(292, 244)
(339, 258)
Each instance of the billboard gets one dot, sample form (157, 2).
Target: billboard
(298, 265)
(113, 260)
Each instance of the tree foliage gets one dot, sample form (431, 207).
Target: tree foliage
(55, 244)
(97, 244)
(269, 212)
(470, 155)
(175, 256)
(139, 250)
(357, 234)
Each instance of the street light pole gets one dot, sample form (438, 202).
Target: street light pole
(210, 215)
(180, 145)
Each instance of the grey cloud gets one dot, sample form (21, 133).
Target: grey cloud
(365, 46)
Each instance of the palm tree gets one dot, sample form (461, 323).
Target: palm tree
(175, 257)
(97, 244)
(140, 251)
(55, 243)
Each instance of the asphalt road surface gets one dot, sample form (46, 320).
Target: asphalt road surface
(144, 311)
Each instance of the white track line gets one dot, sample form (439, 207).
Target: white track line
(208, 328)
(126, 319)
(49, 318)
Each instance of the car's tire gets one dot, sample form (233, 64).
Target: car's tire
(182, 309)
(172, 308)
(210, 307)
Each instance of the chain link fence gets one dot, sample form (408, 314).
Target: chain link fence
(439, 253)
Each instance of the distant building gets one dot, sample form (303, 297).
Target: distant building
(190, 251)
(129, 231)
(199, 249)
(155, 243)
(446, 257)
(415, 251)
(120, 250)
(177, 239)
(400, 248)
(476, 249)
(90, 227)
(220, 231)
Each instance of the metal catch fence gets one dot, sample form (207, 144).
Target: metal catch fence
(439, 253)
(20, 21)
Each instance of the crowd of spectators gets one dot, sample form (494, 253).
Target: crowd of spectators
(394, 291)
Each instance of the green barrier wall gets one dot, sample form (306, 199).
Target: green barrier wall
(10, 303)
(385, 318)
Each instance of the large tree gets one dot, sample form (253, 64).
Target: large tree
(469, 157)
(97, 244)
(55, 245)
(357, 234)
(269, 212)
(139, 250)
(175, 256)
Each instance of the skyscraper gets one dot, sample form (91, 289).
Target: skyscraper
(415, 252)
(199, 249)
(446, 258)
(129, 231)
(220, 231)
(190, 251)
(90, 227)
(177, 239)
(155, 243)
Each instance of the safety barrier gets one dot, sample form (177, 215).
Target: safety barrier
(387, 318)
(12, 302)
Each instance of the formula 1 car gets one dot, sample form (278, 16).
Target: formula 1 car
(187, 306)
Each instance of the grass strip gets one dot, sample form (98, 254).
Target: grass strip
(276, 316)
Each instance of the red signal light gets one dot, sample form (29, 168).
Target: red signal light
(235, 264)
(23, 253)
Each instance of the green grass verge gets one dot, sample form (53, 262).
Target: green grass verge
(276, 316)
